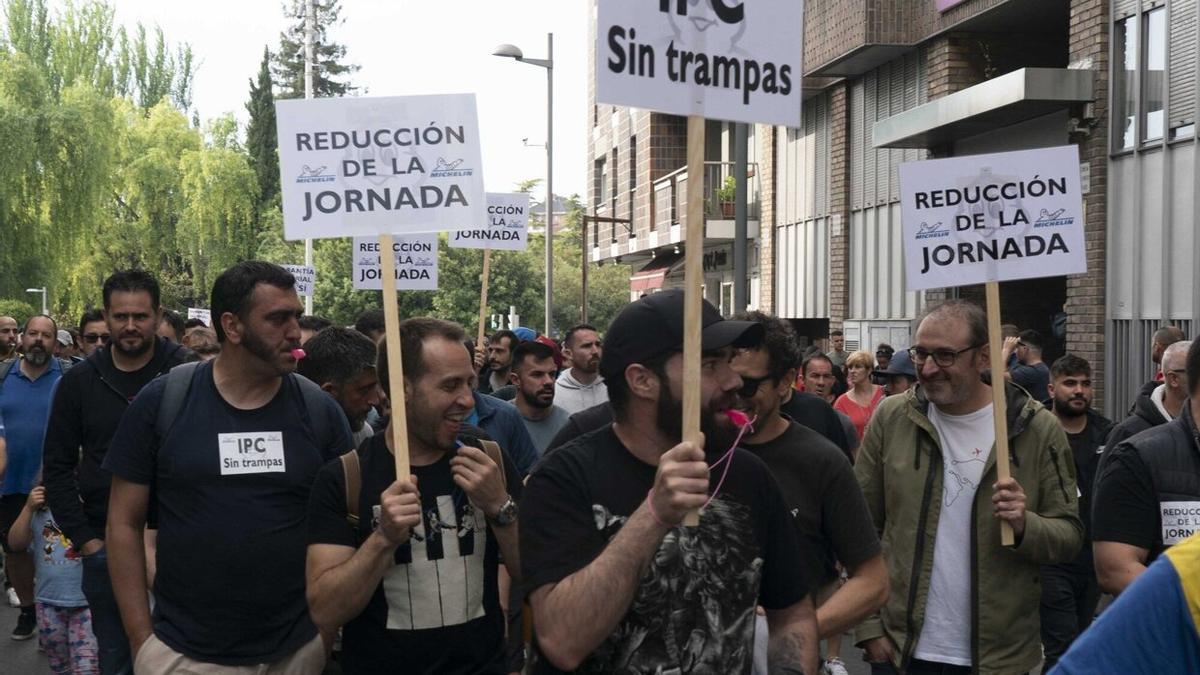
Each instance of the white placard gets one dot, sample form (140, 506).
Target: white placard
(204, 315)
(507, 226)
(1009, 215)
(1180, 520)
(306, 278)
(416, 258)
(724, 59)
(371, 166)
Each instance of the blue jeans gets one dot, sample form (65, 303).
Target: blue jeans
(106, 618)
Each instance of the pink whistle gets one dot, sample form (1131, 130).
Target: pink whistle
(298, 353)
(738, 417)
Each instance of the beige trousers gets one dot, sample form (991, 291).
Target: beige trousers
(156, 658)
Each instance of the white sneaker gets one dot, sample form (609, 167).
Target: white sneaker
(835, 666)
(13, 600)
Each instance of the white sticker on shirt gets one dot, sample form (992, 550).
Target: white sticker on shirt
(1180, 520)
(256, 452)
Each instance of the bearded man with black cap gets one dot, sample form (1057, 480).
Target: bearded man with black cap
(617, 583)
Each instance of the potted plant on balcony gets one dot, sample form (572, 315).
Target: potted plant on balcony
(725, 197)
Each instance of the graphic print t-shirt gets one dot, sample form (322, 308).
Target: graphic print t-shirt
(694, 610)
(437, 611)
(966, 442)
(232, 491)
(59, 566)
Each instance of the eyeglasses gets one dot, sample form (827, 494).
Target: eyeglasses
(750, 385)
(92, 338)
(943, 357)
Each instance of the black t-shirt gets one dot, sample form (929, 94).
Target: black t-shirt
(439, 613)
(826, 504)
(1126, 507)
(815, 413)
(231, 490)
(695, 606)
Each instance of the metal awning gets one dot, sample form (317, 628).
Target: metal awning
(1014, 97)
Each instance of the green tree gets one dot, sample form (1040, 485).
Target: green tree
(261, 140)
(330, 74)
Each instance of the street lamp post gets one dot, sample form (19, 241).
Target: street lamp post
(42, 290)
(513, 52)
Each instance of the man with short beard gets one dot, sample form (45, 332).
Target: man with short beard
(1069, 590)
(8, 338)
(342, 362)
(617, 582)
(960, 601)
(580, 387)
(26, 388)
(532, 373)
(230, 463)
(87, 407)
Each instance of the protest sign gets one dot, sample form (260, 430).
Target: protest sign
(506, 227)
(204, 315)
(714, 58)
(1010, 215)
(306, 278)
(366, 166)
(416, 260)
(990, 218)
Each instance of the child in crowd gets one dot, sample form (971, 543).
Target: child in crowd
(64, 622)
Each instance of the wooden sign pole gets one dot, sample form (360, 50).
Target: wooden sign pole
(487, 260)
(999, 403)
(391, 321)
(692, 280)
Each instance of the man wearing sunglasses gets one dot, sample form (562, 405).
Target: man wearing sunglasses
(87, 406)
(93, 332)
(825, 503)
(960, 602)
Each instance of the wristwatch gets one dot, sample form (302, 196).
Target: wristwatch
(507, 515)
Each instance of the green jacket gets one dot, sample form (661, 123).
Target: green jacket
(900, 469)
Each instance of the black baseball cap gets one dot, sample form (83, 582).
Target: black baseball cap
(653, 326)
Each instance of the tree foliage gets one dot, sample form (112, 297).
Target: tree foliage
(261, 141)
(330, 73)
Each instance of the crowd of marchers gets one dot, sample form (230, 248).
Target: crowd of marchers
(185, 498)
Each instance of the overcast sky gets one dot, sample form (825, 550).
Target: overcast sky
(414, 47)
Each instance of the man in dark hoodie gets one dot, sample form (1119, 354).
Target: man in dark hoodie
(1069, 590)
(87, 406)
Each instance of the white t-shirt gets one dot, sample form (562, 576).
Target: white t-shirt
(966, 444)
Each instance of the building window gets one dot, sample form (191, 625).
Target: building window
(1153, 82)
(632, 181)
(616, 183)
(1125, 42)
(601, 182)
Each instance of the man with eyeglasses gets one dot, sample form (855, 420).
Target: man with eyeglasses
(1147, 495)
(93, 332)
(1163, 401)
(87, 407)
(8, 338)
(823, 499)
(960, 602)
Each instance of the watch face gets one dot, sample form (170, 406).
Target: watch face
(508, 512)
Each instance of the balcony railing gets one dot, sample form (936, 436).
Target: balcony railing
(671, 194)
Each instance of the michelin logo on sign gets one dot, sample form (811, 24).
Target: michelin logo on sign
(444, 169)
(317, 175)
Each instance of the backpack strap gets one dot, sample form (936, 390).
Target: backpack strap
(352, 473)
(5, 368)
(179, 381)
(313, 397)
(492, 448)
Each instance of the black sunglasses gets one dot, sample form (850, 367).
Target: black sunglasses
(750, 385)
(92, 338)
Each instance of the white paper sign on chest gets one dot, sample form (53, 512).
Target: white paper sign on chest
(506, 227)
(979, 218)
(723, 59)
(416, 257)
(368, 166)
